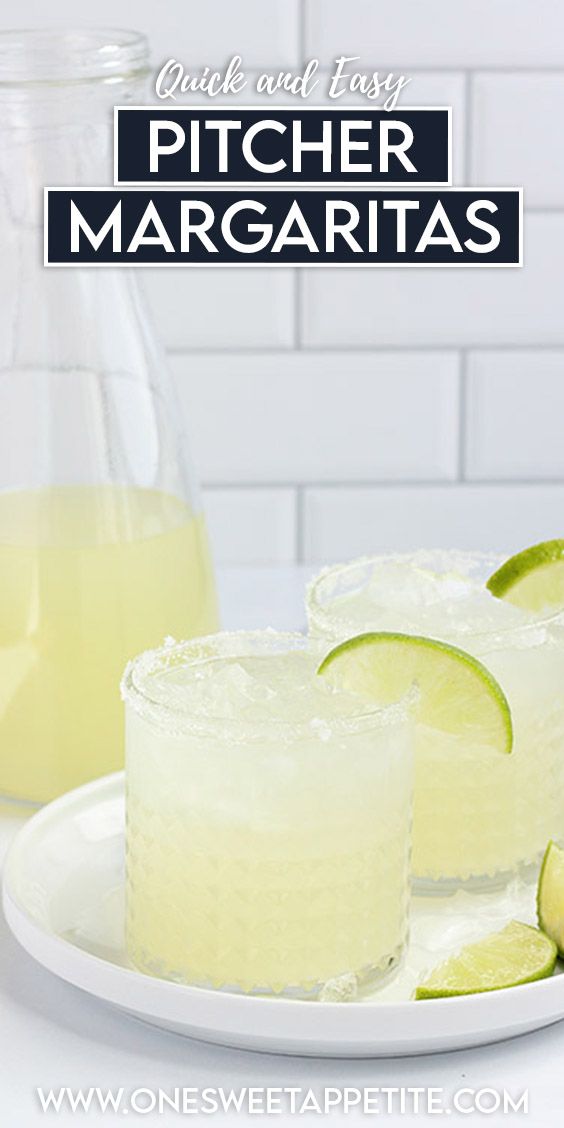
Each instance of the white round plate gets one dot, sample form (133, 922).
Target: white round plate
(64, 901)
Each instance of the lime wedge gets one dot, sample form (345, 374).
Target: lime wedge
(518, 954)
(550, 895)
(458, 694)
(533, 579)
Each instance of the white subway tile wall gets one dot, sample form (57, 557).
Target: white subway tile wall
(258, 525)
(373, 518)
(515, 415)
(438, 33)
(479, 306)
(223, 309)
(515, 128)
(333, 412)
(321, 417)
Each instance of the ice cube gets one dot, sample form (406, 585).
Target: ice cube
(341, 989)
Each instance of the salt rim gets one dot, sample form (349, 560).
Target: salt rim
(134, 689)
(321, 618)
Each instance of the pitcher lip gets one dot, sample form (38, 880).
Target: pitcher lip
(55, 56)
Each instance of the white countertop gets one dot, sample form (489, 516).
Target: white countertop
(52, 1035)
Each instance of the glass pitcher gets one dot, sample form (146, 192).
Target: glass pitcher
(103, 548)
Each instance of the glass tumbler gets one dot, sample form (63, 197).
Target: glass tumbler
(268, 820)
(480, 815)
(103, 547)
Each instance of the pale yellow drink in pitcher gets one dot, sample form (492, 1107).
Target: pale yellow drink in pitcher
(89, 576)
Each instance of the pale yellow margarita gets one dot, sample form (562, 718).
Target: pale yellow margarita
(89, 575)
(479, 814)
(267, 819)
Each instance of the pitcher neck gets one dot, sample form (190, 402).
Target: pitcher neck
(70, 57)
(57, 93)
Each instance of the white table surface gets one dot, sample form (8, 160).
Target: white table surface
(52, 1035)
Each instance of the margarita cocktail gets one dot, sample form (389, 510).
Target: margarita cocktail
(268, 819)
(89, 575)
(479, 814)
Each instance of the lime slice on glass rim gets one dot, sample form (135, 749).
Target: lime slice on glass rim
(458, 694)
(517, 954)
(550, 895)
(532, 579)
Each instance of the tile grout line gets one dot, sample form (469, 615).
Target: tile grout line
(462, 414)
(359, 350)
(297, 296)
(299, 532)
(468, 127)
(462, 69)
(382, 483)
(302, 32)
(298, 324)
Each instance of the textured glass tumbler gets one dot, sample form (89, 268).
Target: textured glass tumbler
(268, 820)
(479, 815)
